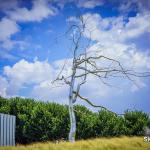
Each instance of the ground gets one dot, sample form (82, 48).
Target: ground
(117, 143)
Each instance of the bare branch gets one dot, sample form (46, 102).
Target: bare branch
(62, 79)
(99, 106)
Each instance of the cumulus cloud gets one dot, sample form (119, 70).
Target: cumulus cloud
(8, 27)
(110, 39)
(134, 5)
(116, 28)
(116, 33)
(38, 76)
(136, 26)
(45, 91)
(115, 37)
(89, 3)
(38, 12)
(24, 70)
(25, 73)
(3, 87)
(79, 3)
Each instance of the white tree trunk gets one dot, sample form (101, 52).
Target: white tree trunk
(72, 132)
(72, 122)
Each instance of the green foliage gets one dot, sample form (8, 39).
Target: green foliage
(135, 121)
(86, 120)
(42, 121)
(108, 124)
(148, 123)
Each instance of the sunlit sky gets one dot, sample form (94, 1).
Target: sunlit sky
(33, 48)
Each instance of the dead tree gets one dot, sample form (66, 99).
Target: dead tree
(84, 64)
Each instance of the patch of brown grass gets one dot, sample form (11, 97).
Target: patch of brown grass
(117, 143)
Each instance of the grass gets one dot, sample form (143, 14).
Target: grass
(122, 143)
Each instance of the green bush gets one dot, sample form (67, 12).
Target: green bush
(148, 123)
(135, 121)
(86, 120)
(109, 124)
(43, 121)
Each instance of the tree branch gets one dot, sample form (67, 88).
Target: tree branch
(99, 106)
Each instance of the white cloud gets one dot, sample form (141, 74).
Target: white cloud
(110, 36)
(136, 26)
(8, 27)
(116, 38)
(39, 11)
(79, 3)
(116, 28)
(89, 3)
(106, 33)
(113, 33)
(3, 87)
(110, 43)
(134, 5)
(46, 91)
(26, 73)
(39, 75)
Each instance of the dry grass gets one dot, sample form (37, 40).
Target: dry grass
(123, 143)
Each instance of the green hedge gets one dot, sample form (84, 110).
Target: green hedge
(42, 121)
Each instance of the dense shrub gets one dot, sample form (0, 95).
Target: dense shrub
(42, 121)
(148, 123)
(86, 120)
(109, 124)
(135, 121)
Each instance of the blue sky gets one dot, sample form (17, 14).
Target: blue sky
(33, 48)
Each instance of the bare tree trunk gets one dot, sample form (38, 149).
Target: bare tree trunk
(72, 122)
(71, 111)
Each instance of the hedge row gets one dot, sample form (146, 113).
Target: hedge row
(42, 121)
